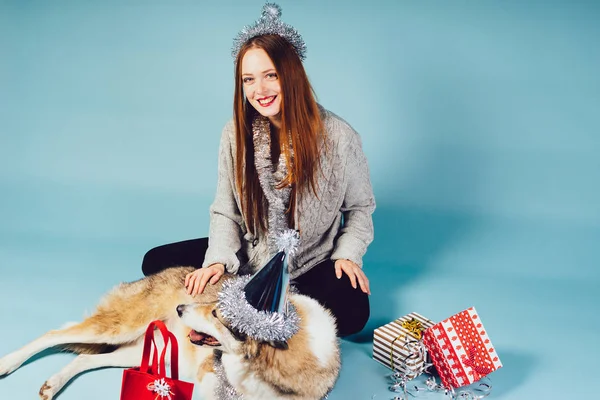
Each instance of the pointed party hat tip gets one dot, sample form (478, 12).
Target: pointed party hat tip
(267, 290)
(288, 241)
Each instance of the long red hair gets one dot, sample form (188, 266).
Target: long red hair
(300, 117)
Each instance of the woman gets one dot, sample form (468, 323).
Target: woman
(284, 162)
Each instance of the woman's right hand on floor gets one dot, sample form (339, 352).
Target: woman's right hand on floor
(197, 280)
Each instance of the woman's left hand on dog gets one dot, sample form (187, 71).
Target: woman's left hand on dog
(197, 280)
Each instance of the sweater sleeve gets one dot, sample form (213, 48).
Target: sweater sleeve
(224, 238)
(358, 205)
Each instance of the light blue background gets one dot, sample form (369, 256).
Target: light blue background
(479, 120)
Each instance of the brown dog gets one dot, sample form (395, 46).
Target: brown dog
(305, 367)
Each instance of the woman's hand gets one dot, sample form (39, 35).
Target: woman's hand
(354, 272)
(197, 280)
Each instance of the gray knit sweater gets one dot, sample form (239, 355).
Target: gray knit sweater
(336, 225)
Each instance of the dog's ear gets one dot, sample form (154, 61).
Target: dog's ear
(280, 345)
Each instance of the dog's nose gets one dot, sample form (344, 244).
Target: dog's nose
(180, 309)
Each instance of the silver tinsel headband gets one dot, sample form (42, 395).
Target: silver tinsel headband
(270, 24)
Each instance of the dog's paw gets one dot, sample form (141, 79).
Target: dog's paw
(47, 391)
(9, 364)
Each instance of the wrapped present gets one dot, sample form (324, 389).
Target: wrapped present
(398, 345)
(460, 349)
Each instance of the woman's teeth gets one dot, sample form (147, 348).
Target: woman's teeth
(266, 101)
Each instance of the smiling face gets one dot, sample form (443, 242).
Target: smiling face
(261, 84)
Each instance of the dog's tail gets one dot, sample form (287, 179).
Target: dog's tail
(91, 348)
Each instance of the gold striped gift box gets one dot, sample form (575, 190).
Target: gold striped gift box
(390, 343)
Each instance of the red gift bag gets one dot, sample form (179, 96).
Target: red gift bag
(149, 382)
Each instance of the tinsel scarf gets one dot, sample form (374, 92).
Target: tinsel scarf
(269, 175)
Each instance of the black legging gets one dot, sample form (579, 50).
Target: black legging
(349, 306)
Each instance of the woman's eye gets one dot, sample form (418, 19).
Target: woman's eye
(247, 80)
(272, 76)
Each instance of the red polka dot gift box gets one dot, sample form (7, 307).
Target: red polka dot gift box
(461, 350)
(399, 346)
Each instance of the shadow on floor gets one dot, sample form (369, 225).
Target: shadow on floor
(406, 240)
(517, 368)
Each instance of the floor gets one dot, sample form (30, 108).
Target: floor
(534, 284)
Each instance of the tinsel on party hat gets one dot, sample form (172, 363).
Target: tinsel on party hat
(257, 305)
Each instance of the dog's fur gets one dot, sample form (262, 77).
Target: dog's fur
(306, 367)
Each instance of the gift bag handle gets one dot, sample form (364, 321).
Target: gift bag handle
(158, 366)
(174, 355)
(149, 341)
(153, 368)
(169, 337)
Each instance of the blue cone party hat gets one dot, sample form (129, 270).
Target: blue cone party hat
(257, 305)
(267, 289)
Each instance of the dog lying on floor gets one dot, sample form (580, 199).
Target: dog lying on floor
(304, 367)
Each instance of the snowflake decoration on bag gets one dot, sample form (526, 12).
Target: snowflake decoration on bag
(161, 388)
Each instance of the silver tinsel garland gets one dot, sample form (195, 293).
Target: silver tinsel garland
(259, 325)
(223, 389)
(278, 199)
(269, 23)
